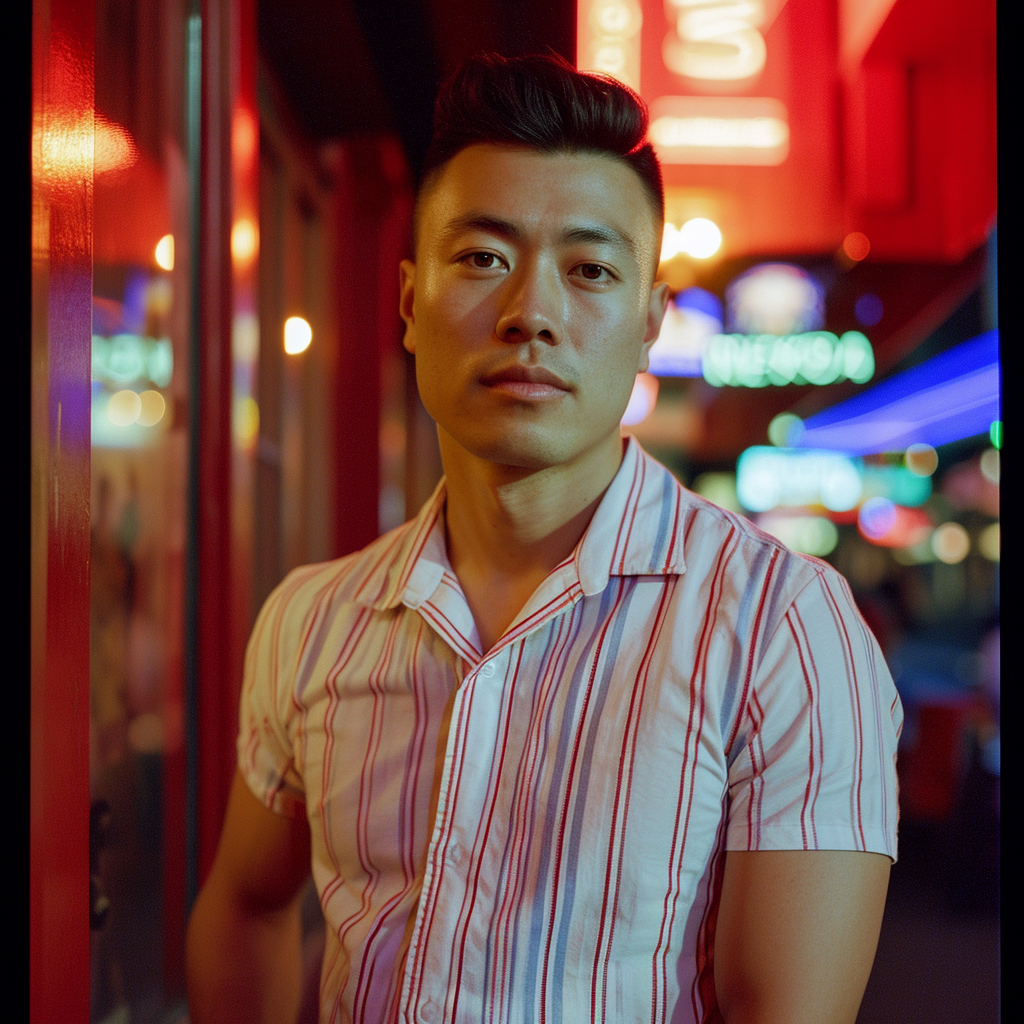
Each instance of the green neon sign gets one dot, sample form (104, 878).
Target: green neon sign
(760, 360)
(127, 358)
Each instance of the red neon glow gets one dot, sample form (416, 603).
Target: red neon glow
(720, 130)
(903, 527)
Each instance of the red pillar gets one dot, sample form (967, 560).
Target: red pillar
(62, 174)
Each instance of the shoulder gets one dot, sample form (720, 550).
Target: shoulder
(363, 579)
(717, 539)
(750, 578)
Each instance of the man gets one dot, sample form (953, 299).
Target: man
(574, 744)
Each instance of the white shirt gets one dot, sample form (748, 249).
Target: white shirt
(680, 686)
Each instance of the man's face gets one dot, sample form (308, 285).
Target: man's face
(530, 307)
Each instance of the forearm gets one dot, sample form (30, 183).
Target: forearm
(243, 964)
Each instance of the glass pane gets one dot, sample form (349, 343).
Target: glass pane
(139, 491)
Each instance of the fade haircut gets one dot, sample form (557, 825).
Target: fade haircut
(543, 103)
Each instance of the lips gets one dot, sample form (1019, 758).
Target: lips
(528, 375)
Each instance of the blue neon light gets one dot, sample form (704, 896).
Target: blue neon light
(952, 396)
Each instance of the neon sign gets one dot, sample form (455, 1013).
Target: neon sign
(715, 40)
(125, 358)
(953, 395)
(768, 478)
(775, 298)
(720, 130)
(759, 360)
(609, 35)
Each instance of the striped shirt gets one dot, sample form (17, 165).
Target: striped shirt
(537, 834)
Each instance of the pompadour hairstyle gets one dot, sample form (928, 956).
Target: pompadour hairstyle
(544, 103)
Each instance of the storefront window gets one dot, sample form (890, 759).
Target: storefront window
(139, 487)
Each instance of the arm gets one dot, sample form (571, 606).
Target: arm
(796, 934)
(243, 951)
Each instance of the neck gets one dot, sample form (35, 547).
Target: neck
(508, 527)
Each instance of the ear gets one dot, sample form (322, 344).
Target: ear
(407, 291)
(656, 306)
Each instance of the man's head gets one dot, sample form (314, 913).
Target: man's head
(531, 303)
(542, 103)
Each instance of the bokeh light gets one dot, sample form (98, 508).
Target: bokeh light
(990, 465)
(877, 517)
(719, 488)
(246, 421)
(921, 459)
(698, 237)
(641, 400)
(868, 309)
(151, 408)
(950, 543)
(297, 335)
(988, 542)
(856, 245)
(124, 407)
(244, 242)
(164, 253)
(785, 429)
(810, 535)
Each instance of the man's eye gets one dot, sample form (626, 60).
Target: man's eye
(483, 260)
(593, 272)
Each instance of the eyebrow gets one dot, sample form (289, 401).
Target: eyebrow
(600, 234)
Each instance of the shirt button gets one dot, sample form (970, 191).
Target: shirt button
(429, 1013)
(455, 852)
(488, 670)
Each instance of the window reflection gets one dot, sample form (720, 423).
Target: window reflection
(139, 489)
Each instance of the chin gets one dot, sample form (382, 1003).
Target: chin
(520, 453)
(527, 449)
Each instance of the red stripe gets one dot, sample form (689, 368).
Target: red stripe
(755, 747)
(853, 687)
(465, 707)
(799, 634)
(627, 757)
(526, 800)
(570, 778)
(700, 667)
(480, 840)
(370, 869)
(632, 504)
(703, 995)
(385, 556)
(449, 631)
(755, 636)
(424, 526)
(406, 835)
(330, 684)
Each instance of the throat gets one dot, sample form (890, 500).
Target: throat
(495, 600)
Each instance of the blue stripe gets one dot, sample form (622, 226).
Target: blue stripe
(660, 547)
(609, 657)
(502, 882)
(550, 813)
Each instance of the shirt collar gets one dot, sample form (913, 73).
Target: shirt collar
(634, 532)
(417, 559)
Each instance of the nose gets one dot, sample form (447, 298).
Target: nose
(532, 306)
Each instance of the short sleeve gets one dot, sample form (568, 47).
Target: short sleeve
(269, 716)
(815, 764)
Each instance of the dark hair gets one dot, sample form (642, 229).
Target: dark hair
(544, 103)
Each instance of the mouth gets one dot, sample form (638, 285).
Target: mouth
(526, 382)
